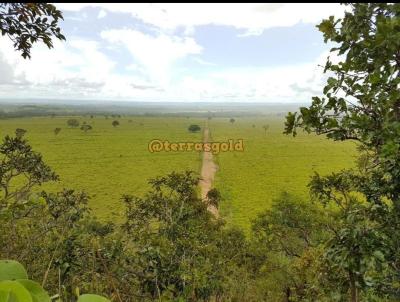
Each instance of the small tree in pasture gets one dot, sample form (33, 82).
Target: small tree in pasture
(73, 123)
(266, 127)
(213, 197)
(86, 128)
(194, 128)
(115, 123)
(57, 130)
(19, 132)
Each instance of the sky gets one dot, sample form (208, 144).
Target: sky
(176, 52)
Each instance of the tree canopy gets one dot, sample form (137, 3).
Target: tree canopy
(28, 23)
(361, 103)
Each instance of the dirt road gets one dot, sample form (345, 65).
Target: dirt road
(208, 170)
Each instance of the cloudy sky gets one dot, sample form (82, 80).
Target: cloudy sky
(176, 52)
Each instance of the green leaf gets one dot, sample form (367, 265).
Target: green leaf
(37, 292)
(16, 292)
(92, 298)
(11, 269)
(379, 255)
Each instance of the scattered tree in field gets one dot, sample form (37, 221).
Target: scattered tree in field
(91, 116)
(232, 120)
(362, 104)
(266, 127)
(57, 130)
(73, 123)
(115, 123)
(86, 128)
(253, 126)
(28, 23)
(194, 128)
(19, 132)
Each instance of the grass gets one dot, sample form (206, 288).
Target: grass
(271, 163)
(110, 161)
(107, 161)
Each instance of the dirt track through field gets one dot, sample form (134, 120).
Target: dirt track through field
(208, 170)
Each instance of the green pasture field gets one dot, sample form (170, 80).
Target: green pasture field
(271, 163)
(107, 162)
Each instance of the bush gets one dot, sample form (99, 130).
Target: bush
(194, 128)
(73, 123)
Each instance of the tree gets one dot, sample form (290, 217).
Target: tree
(194, 128)
(175, 236)
(19, 132)
(289, 235)
(18, 161)
(86, 127)
(266, 127)
(232, 120)
(73, 123)
(28, 23)
(213, 197)
(362, 104)
(115, 123)
(57, 130)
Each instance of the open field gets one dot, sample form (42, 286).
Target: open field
(107, 162)
(271, 162)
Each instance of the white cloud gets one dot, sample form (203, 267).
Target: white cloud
(252, 17)
(203, 62)
(292, 83)
(156, 54)
(75, 65)
(101, 14)
(79, 67)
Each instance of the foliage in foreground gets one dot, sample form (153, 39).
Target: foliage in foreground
(16, 287)
(362, 103)
(29, 23)
(169, 247)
